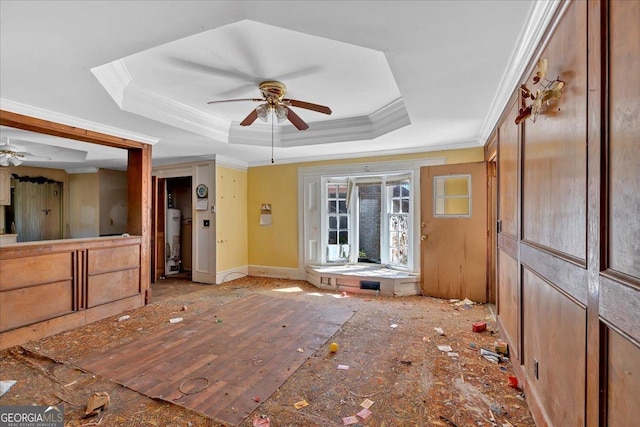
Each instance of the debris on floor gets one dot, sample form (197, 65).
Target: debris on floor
(434, 389)
(479, 327)
(97, 403)
(261, 421)
(5, 386)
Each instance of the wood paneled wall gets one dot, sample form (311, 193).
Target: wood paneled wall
(569, 223)
(57, 285)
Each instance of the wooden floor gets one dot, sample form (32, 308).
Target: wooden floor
(229, 359)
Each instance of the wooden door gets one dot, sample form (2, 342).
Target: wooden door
(158, 192)
(38, 210)
(454, 231)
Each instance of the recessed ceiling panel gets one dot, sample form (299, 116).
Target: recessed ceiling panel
(173, 83)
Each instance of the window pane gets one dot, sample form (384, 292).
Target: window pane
(331, 191)
(333, 237)
(343, 206)
(405, 206)
(396, 206)
(396, 191)
(333, 222)
(405, 190)
(344, 222)
(342, 192)
(456, 206)
(456, 186)
(344, 237)
(332, 206)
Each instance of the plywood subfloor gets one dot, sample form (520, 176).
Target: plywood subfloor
(227, 359)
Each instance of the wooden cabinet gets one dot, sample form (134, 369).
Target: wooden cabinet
(5, 187)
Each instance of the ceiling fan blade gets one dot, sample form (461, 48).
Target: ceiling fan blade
(253, 115)
(214, 71)
(236, 100)
(296, 120)
(308, 106)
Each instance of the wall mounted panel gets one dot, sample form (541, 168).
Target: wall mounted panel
(623, 381)
(554, 149)
(508, 299)
(624, 137)
(508, 174)
(554, 336)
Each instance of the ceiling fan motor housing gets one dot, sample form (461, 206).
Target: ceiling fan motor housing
(273, 91)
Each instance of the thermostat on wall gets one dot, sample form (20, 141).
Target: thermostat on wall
(202, 191)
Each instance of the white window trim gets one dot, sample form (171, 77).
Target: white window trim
(436, 197)
(310, 209)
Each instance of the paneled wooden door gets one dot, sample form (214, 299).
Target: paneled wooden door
(158, 191)
(38, 210)
(454, 231)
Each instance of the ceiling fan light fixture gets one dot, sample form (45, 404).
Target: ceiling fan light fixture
(281, 113)
(15, 161)
(4, 161)
(263, 112)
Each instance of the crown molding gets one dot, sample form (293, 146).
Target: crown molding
(52, 116)
(114, 77)
(144, 101)
(391, 117)
(540, 16)
(309, 159)
(230, 163)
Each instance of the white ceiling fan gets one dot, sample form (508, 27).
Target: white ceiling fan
(14, 155)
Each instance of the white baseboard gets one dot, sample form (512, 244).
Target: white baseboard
(277, 272)
(231, 274)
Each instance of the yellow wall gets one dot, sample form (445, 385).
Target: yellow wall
(277, 245)
(231, 218)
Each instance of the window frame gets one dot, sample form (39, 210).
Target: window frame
(444, 197)
(310, 209)
(386, 201)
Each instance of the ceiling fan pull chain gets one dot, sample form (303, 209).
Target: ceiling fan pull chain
(272, 136)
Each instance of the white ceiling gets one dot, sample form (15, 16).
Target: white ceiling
(400, 76)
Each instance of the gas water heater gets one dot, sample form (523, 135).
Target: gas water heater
(173, 261)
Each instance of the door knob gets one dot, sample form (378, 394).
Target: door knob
(423, 237)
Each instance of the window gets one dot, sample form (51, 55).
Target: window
(367, 219)
(398, 221)
(452, 196)
(337, 222)
(366, 190)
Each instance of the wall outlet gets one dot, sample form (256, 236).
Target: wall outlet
(205, 223)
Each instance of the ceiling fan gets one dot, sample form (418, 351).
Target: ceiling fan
(273, 99)
(13, 155)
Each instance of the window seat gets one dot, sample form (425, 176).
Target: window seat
(362, 278)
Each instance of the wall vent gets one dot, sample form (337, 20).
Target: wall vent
(367, 284)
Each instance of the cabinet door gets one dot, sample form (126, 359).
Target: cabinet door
(5, 187)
